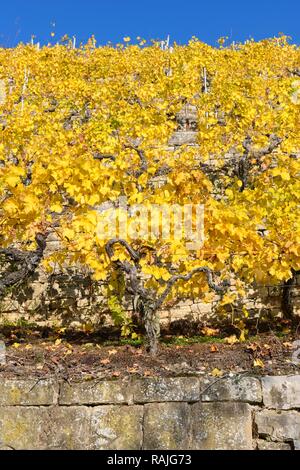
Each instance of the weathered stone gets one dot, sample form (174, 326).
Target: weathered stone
(71, 428)
(201, 308)
(182, 312)
(281, 392)
(237, 388)
(95, 392)
(20, 427)
(38, 428)
(188, 111)
(167, 389)
(183, 138)
(269, 445)
(296, 444)
(184, 303)
(117, 427)
(166, 426)
(220, 426)
(67, 428)
(81, 303)
(278, 426)
(28, 392)
(164, 316)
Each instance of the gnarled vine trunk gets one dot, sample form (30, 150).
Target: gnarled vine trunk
(146, 302)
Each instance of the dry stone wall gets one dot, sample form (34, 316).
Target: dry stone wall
(73, 299)
(175, 413)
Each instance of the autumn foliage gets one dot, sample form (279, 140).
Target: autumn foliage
(83, 127)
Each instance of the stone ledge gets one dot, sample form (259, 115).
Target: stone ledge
(184, 138)
(279, 426)
(221, 426)
(269, 445)
(282, 392)
(71, 428)
(166, 426)
(167, 389)
(237, 388)
(38, 428)
(96, 393)
(116, 427)
(33, 392)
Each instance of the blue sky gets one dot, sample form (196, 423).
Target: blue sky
(114, 19)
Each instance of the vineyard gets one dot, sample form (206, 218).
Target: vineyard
(90, 131)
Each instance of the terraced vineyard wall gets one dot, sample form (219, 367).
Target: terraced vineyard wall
(73, 299)
(234, 412)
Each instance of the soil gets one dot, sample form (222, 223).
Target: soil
(84, 358)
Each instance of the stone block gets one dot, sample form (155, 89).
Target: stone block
(183, 138)
(28, 392)
(66, 428)
(278, 425)
(39, 428)
(201, 308)
(21, 427)
(281, 392)
(237, 388)
(166, 426)
(116, 427)
(167, 389)
(221, 426)
(269, 445)
(95, 392)
(296, 444)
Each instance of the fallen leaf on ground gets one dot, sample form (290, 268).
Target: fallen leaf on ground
(68, 352)
(258, 363)
(216, 372)
(252, 347)
(16, 345)
(104, 361)
(112, 352)
(116, 374)
(231, 339)
(213, 348)
(207, 331)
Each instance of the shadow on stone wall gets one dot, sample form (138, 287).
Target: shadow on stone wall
(66, 298)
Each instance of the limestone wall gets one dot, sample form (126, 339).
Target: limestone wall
(73, 299)
(233, 412)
